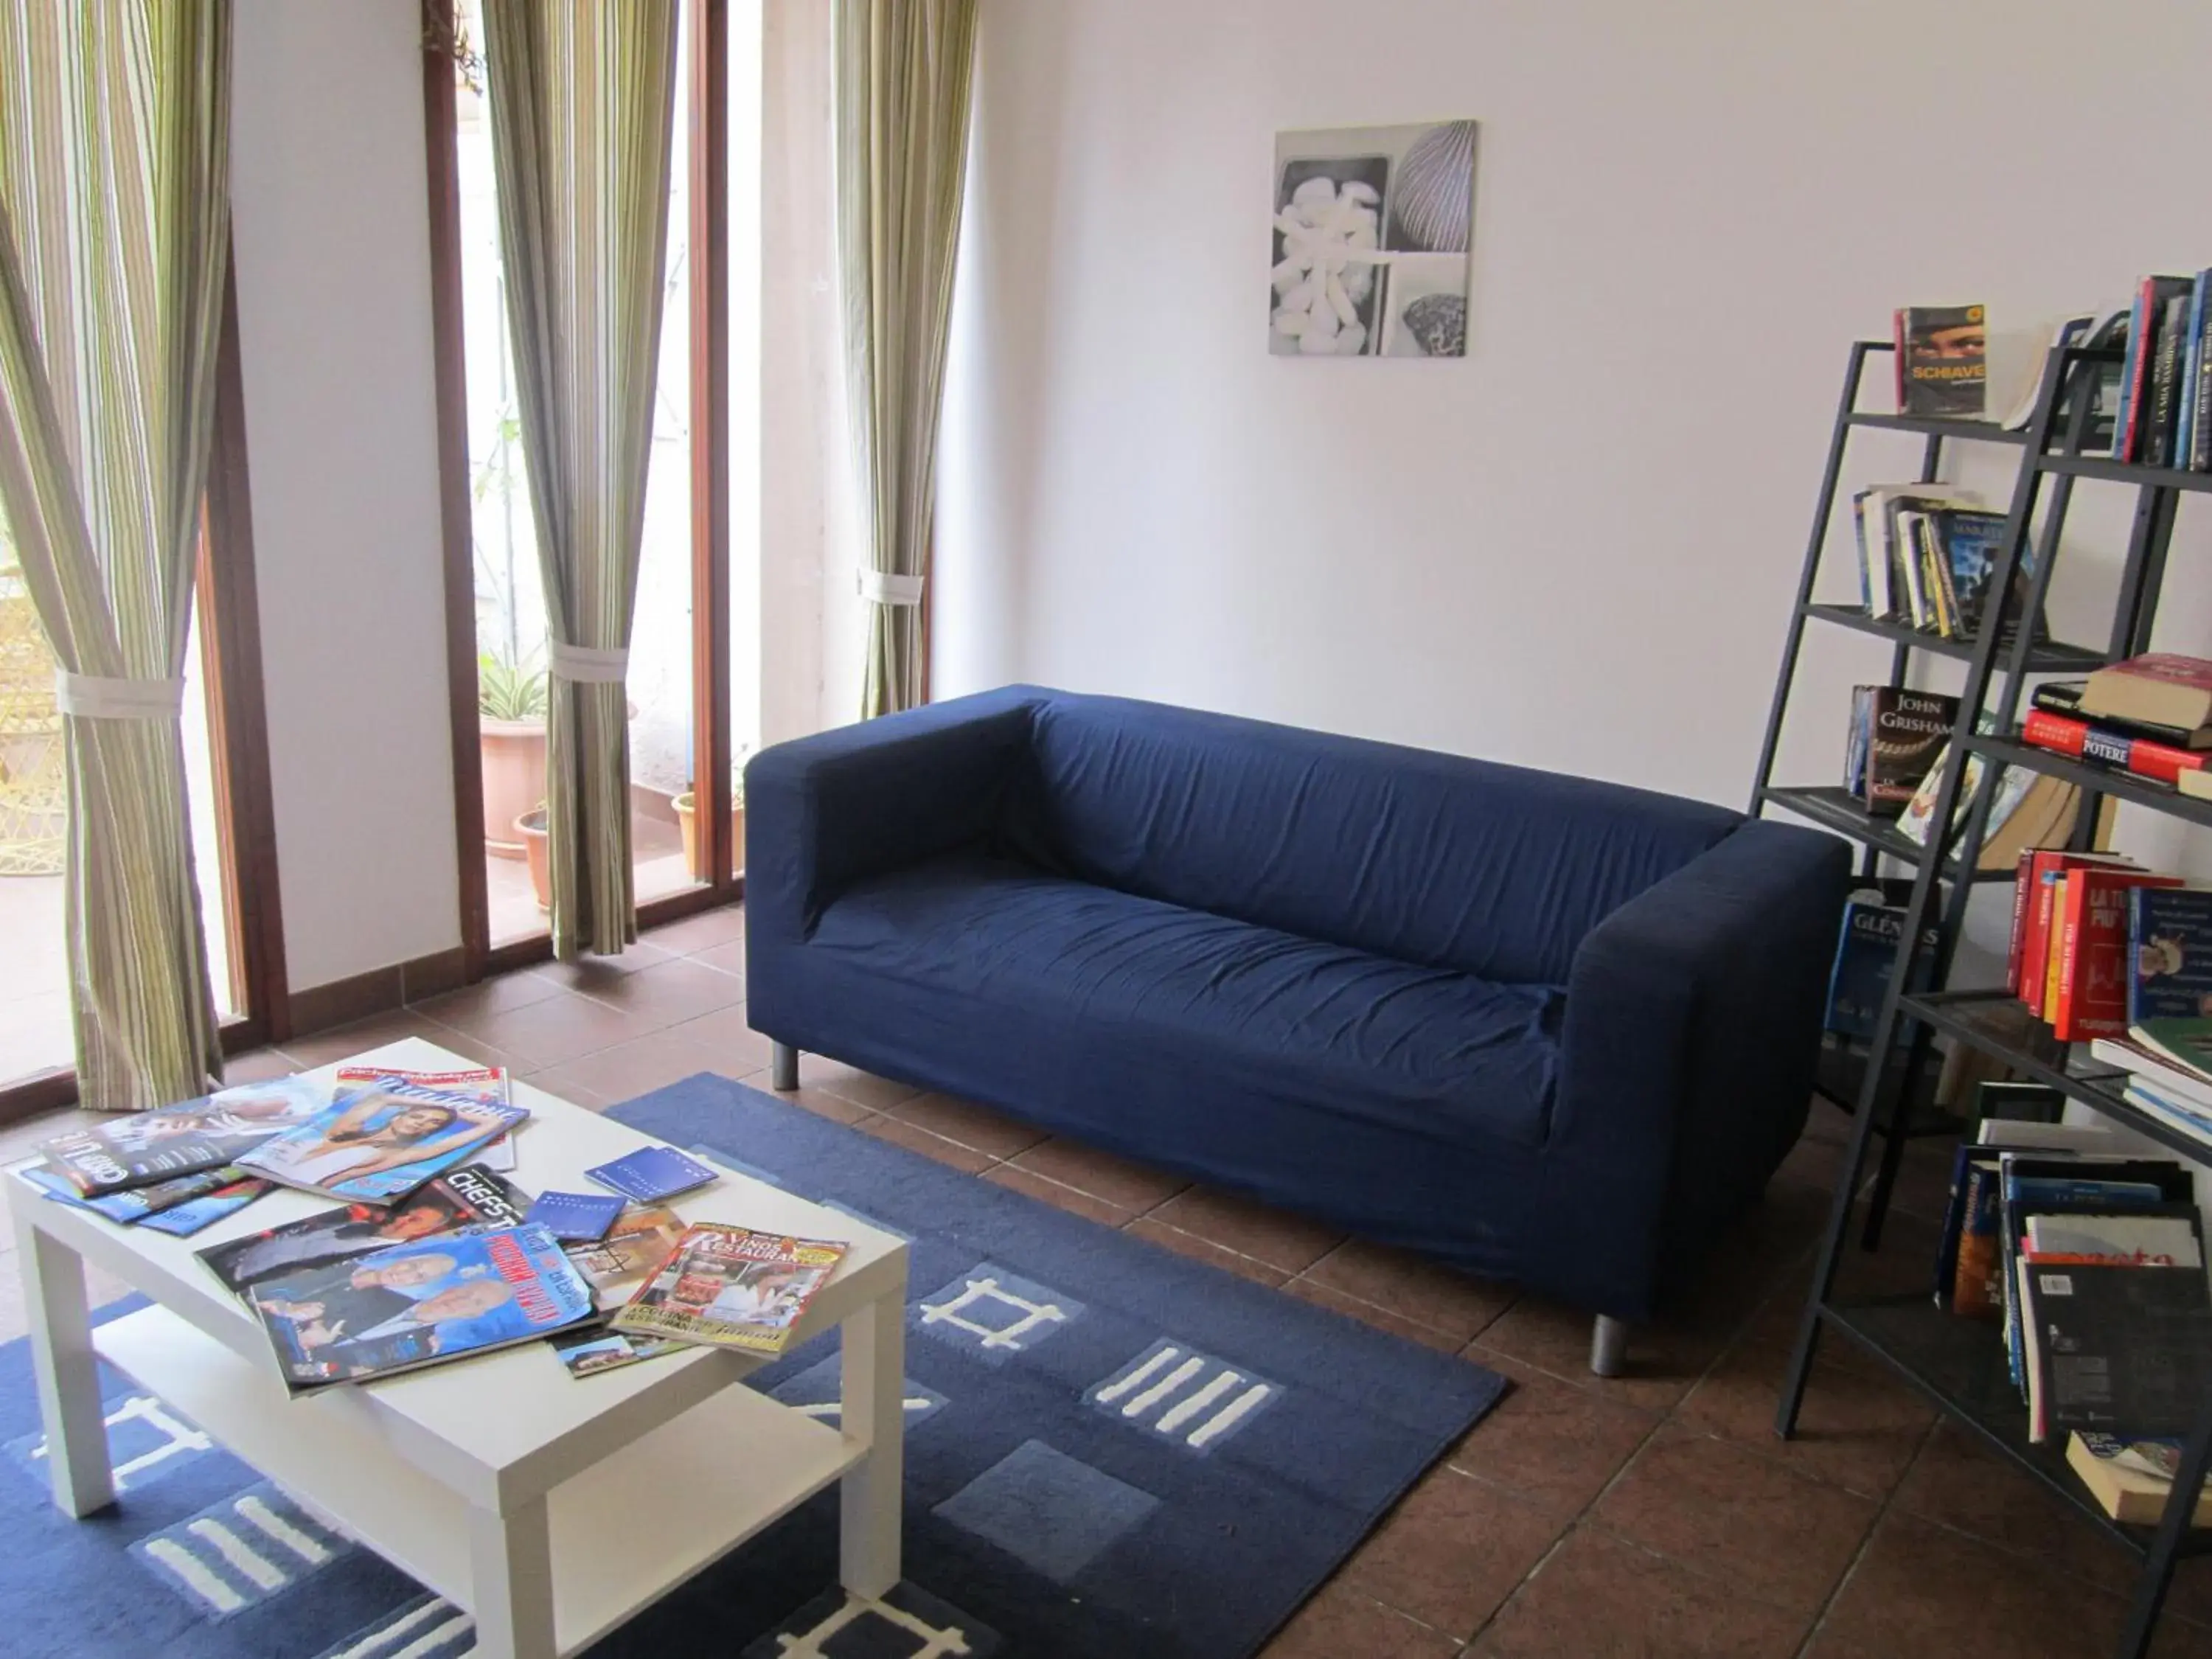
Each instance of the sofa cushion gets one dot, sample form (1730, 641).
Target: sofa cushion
(1498, 870)
(1430, 1050)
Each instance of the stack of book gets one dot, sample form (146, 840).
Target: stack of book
(2093, 1262)
(1926, 555)
(2150, 716)
(2163, 415)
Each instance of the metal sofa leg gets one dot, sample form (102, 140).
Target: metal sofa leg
(783, 1066)
(1608, 1345)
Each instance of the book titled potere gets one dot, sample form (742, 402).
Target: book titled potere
(732, 1287)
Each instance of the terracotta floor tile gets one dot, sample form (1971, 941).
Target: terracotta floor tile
(558, 1029)
(1599, 1596)
(1371, 1313)
(1856, 1429)
(962, 1120)
(723, 959)
(1548, 1442)
(471, 1047)
(1452, 1302)
(1922, 1589)
(632, 1068)
(465, 1008)
(1033, 1185)
(1663, 1366)
(706, 931)
(1451, 1552)
(819, 1102)
(1290, 1242)
(1342, 1624)
(1128, 1185)
(1737, 1517)
(1153, 1230)
(743, 1050)
(259, 1066)
(591, 974)
(344, 1041)
(866, 1089)
(921, 1140)
(671, 992)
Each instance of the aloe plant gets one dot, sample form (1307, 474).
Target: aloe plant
(510, 690)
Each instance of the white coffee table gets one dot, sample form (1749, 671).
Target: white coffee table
(494, 1480)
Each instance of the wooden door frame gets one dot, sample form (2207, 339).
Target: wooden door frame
(707, 156)
(228, 596)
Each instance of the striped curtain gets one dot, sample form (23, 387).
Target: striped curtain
(114, 244)
(903, 72)
(583, 98)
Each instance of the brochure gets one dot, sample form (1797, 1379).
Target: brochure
(639, 1242)
(383, 1142)
(468, 1197)
(575, 1216)
(595, 1348)
(147, 1147)
(732, 1287)
(652, 1172)
(419, 1304)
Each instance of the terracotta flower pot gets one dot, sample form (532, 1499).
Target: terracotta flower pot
(529, 829)
(514, 779)
(684, 804)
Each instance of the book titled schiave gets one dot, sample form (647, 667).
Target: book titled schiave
(185, 1139)
(731, 1287)
(381, 1143)
(418, 1304)
(1942, 361)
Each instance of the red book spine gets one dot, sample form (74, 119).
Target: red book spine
(2045, 729)
(2023, 888)
(2093, 969)
(2162, 761)
(2035, 959)
(2144, 318)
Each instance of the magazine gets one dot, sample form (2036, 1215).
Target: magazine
(418, 1304)
(134, 1203)
(591, 1349)
(383, 1142)
(184, 1139)
(183, 1220)
(468, 1197)
(639, 1242)
(731, 1287)
(489, 1082)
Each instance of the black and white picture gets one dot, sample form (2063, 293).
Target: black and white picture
(1373, 234)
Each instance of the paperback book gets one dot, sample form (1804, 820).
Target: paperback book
(384, 1142)
(731, 1287)
(2169, 953)
(2132, 1479)
(1942, 361)
(418, 1304)
(470, 1197)
(172, 1141)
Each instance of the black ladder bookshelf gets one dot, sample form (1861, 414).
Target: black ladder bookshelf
(1958, 1362)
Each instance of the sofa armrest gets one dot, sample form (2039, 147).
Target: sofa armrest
(825, 811)
(1693, 1035)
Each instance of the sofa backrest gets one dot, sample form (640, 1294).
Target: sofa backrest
(1497, 870)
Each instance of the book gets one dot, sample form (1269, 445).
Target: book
(2169, 1081)
(383, 1142)
(652, 1172)
(424, 1304)
(471, 1197)
(2185, 395)
(593, 1348)
(1971, 540)
(2074, 332)
(2122, 1351)
(1942, 361)
(2152, 296)
(2043, 870)
(2092, 951)
(2187, 1117)
(2123, 1476)
(2161, 688)
(1866, 955)
(2186, 1044)
(2197, 384)
(2063, 697)
(2165, 374)
(2100, 745)
(640, 1240)
(184, 1140)
(2150, 1241)
(574, 1216)
(1967, 1261)
(1877, 510)
(1906, 731)
(731, 1287)
(2169, 953)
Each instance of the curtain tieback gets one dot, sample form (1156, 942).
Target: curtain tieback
(90, 696)
(587, 665)
(882, 588)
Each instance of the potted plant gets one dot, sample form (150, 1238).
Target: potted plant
(529, 831)
(511, 720)
(685, 805)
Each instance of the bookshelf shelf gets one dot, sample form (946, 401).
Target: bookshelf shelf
(1842, 1073)
(2051, 657)
(1959, 1362)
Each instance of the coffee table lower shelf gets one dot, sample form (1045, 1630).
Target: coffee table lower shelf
(625, 1532)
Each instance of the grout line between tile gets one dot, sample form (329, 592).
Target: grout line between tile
(1880, 1513)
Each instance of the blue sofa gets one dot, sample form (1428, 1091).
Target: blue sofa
(1551, 1030)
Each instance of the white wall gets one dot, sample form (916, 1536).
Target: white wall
(1577, 548)
(333, 248)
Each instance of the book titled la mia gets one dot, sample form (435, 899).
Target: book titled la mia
(732, 1287)
(382, 1143)
(418, 1304)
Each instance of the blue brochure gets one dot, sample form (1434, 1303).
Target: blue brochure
(574, 1215)
(652, 1172)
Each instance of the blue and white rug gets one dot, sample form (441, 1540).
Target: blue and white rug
(1111, 1452)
